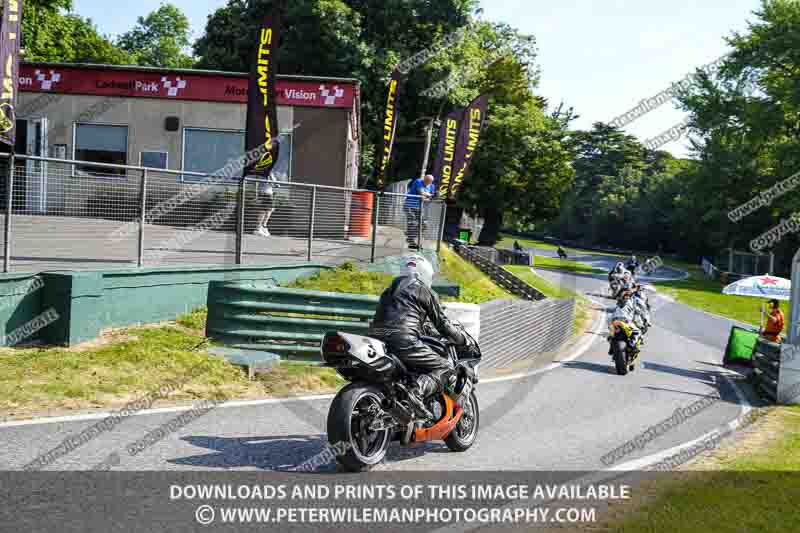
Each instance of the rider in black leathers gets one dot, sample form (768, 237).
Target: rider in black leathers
(402, 311)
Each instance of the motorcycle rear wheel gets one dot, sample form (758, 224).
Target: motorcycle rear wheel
(357, 447)
(618, 349)
(465, 433)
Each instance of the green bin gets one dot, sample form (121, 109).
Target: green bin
(741, 344)
(465, 235)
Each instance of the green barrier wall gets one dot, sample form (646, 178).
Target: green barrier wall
(88, 302)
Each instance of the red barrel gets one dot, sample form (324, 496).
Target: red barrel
(363, 203)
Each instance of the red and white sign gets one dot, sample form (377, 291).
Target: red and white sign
(209, 88)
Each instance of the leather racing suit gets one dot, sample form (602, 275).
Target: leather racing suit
(402, 311)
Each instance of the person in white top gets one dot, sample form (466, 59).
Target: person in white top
(265, 205)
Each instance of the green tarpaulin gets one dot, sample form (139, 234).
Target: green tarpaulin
(740, 345)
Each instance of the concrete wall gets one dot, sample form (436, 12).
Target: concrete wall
(88, 302)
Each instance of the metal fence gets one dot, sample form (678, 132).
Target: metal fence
(76, 215)
(499, 275)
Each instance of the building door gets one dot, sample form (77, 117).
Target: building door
(20, 147)
(36, 171)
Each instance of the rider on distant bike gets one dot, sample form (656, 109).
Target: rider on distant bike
(617, 271)
(633, 311)
(402, 312)
(633, 264)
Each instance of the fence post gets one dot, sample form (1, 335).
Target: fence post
(9, 209)
(442, 220)
(240, 222)
(419, 224)
(311, 222)
(142, 216)
(376, 207)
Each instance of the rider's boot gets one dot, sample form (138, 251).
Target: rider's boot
(424, 387)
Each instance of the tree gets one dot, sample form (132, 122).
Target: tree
(346, 38)
(51, 33)
(158, 40)
(747, 120)
(354, 38)
(521, 169)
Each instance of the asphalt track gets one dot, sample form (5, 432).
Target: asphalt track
(564, 414)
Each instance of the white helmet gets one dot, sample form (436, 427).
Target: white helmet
(416, 265)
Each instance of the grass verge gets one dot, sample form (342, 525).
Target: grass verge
(565, 265)
(346, 278)
(126, 364)
(476, 287)
(507, 241)
(754, 486)
(705, 294)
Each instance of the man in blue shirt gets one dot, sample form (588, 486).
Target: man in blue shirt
(420, 187)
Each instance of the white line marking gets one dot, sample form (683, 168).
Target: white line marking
(639, 464)
(160, 410)
(725, 429)
(582, 347)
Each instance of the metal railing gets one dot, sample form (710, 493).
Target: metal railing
(499, 275)
(77, 215)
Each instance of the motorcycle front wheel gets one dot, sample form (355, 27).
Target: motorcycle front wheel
(618, 348)
(466, 431)
(358, 448)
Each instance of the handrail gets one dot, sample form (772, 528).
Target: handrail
(232, 179)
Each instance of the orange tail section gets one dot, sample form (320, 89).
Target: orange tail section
(443, 427)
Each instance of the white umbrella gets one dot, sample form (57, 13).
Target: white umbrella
(765, 286)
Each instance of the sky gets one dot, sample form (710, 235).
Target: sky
(601, 57)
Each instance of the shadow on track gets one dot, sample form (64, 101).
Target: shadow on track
(591, 367)
(287, 453)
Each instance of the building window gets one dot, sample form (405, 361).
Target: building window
(101, 143)
(151, 159)
(208, 151)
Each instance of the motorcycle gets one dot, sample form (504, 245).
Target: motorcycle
(615, 286)
(625, 349)
(373, 410)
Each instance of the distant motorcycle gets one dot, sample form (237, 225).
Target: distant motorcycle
(373, 410)
(625, 349)
(561, 253)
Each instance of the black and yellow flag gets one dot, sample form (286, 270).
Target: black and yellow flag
(468, 137)
(262, 115)
(389, 126)
(446, 153)
(9, 69)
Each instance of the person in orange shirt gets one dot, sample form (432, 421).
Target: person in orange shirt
(775, 322)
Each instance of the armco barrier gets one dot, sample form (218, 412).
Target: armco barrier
(288, 322)
(766, 368)
(292, 322)
(499, 275)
